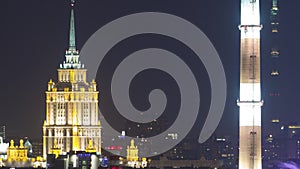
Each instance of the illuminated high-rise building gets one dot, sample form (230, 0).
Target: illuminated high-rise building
(274, 49)
(273, 72)
(3, 132)
(274, 83)
(250, 103)
(72, 120)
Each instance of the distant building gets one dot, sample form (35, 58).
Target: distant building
(282, 146)
(273, 67)
(3, 148)
(274, 52)
(272, 150)
(132, 159)
(17, 153)
(132, 152)
(17, 156)
(227, 151)
(164, 162)
(74, 159)
(187, 149)
(293, 142)
(37, 148)
(3, 131)
(71, 105)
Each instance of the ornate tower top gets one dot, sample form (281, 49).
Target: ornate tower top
(72, 46)
(72, 54)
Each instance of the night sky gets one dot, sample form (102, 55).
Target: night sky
(34, 37)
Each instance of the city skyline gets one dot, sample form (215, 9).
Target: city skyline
(34, 38)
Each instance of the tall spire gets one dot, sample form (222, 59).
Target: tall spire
(274, 3)
(72, 46)
(72, 54)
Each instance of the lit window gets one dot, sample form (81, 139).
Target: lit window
(274, 53)
(275, 73)
(275, 30)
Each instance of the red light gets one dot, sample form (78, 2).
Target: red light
(115, 167)
(114, 148)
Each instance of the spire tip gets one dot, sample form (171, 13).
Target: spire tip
(72, 3)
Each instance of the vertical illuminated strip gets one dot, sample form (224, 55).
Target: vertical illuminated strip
(250, 88)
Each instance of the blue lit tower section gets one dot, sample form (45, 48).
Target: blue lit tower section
(250, 88)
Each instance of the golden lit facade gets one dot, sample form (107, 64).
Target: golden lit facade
(72, 120)
(132, 159)
(132, 152)
(17, 153)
